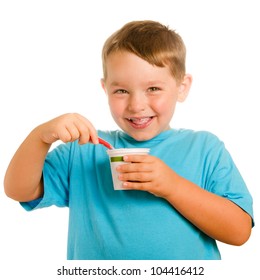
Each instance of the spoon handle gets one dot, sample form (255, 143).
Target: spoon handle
(105, 143)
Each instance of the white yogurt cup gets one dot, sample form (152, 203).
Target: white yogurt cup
(116, 158)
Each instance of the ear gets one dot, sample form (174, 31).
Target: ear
(184, 87)
(102, 81)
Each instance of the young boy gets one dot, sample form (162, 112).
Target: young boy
(186, 194)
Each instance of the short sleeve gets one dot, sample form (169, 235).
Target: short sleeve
(55, 179)
(226, 180)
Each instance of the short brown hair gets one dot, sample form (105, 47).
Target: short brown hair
(153, 42)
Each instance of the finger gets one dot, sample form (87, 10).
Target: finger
(88, 131)
(73, 133)
(83, 132)
(135, 177)
(135, 167)
(141, 186)
(138, 158)
(66, 134)
(85, 129)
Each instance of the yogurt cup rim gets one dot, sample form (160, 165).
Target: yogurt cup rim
(128, 151)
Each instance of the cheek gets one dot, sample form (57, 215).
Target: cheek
(116, 107)
(165, 106)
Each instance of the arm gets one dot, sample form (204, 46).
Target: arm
(23, 178)
(216, 216)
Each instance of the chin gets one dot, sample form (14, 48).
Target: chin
(141, 136)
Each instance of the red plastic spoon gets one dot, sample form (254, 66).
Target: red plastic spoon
(105, 143)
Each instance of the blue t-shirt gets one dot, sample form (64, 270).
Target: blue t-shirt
(108, 224)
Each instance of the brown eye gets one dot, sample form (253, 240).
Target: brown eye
(152, 89)
(121, 91)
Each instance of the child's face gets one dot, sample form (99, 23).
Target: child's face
(142, 97)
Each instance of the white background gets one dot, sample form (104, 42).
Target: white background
(50, 64)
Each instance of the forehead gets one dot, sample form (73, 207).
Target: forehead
(124, 63)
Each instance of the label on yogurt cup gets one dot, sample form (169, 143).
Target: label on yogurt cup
(116, 159)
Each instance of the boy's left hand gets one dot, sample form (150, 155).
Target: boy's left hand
(147, 173)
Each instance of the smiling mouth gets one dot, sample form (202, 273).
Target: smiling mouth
(140, 122)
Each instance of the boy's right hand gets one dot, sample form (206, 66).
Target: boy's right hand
(23, 179)
(68, 128)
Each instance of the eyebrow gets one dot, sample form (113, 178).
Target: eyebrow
(155, 82)
(114, 83)
(149, 83)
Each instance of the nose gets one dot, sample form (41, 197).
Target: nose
(136, 102)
